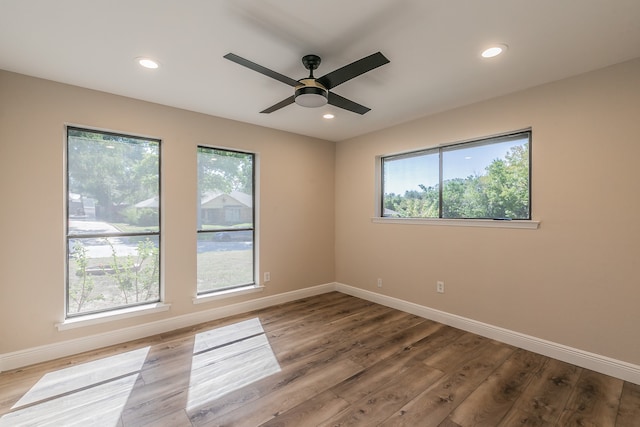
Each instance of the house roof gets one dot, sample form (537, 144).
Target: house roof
(242, 198)
(149, 203)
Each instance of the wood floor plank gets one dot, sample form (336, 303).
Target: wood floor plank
(377, 375)
(543, 401)
(205, 376)
(153, 406)
(370, 380)
(380, 347)
(178, 418)
(432, 406)
(330, 359)
(311, 412)
(448, 423)
(162, 392)
(407, 322)
(285, 312)
(374, 408)
(489, 403)
(456, 353)
(16, 383)
(101, 404)
(305, 367)
(13, 387)
(269, 406)
(291, 344)
(594, 401)
(319, 315)
(629, 409)
(341, 346)
(83, 376)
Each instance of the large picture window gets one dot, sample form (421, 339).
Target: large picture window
(484, 179)
(113, 221)
(225, 220)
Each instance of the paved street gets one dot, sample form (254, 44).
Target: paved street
(98, 247)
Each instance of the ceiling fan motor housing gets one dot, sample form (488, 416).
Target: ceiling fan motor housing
(310, 93)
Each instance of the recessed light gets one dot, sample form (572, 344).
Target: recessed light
(148, 63)
(494, 50)
(328, 116)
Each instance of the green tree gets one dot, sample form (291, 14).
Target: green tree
(113, 169)
(506, 185)
(501, 192)
(224, 171)
(453, 198)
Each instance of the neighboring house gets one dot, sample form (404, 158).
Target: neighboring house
(151, 203)
(216, 207)
(226, 208)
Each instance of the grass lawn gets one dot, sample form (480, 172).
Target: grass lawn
(221, 269)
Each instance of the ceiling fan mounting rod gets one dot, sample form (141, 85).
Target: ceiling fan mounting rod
(311, 62)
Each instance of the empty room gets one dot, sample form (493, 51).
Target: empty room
(287, 213)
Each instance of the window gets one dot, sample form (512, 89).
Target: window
(225, 220)
(484, 179)
(113, 221)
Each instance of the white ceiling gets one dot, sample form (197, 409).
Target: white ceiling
(433, 45)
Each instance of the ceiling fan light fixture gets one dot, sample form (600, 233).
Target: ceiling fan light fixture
(311, 96)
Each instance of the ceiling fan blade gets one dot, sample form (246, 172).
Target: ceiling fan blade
(262, 70)
(346, 104)
(279, 105)
(352, 70)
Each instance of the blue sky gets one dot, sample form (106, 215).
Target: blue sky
(406, 173)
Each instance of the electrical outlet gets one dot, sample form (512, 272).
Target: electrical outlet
(267, 277)
(440, 287)
(379, 283)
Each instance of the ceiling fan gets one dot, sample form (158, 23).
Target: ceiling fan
(315, 92)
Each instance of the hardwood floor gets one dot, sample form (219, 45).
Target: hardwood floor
(329, 360)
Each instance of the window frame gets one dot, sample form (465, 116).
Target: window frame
(212, 293)
(74, 317)
(439, 150)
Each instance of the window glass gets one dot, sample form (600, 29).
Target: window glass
(225, 219)
(411, 185)
(113, 221)
(485, 179)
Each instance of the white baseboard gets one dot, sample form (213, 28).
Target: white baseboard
(595, 362)
(53, 351)
(616, 368)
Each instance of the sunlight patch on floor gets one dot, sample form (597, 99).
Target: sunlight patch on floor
(82, 394)
(228, 358)
(100, 405)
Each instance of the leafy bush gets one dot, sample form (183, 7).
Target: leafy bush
(141, 217)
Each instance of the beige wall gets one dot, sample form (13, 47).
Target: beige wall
(296, 238)
(575, 280)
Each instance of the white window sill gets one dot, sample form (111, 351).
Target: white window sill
(488, 223)
(124, 313)
(227, 293)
